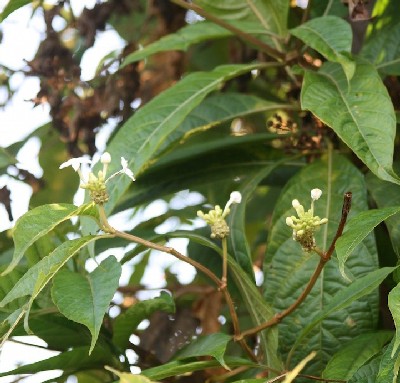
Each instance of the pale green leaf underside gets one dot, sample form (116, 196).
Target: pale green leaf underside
(85, 299)
(357, 229)
(332, 37)
(359, 112)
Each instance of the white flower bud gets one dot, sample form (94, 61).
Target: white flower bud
(316, 194)
(295, 203)
(289, 221)
(105, 158)
(235, 197)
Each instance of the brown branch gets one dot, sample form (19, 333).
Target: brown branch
(243, 35)
(324, 258)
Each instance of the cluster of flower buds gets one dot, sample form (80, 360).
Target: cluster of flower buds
(96, 185)
(305, 224)
(216, 217)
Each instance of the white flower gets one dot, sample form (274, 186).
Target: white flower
(75, 163)
(235, 197)
(316, 194)
(126, 170)
(295, 203)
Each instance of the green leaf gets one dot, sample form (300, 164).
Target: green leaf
(143, 134)
(356, 112)
(389, 365)
(94, 290)
(69, 361)
(180, 40)
(269, 15)
(47, 267)
(355, 354)
(213, 345)
(219, 108)
(237, 240)
(368, 372)
(387, 194)
(288, 269)
(39, 221)
(343, 298)
(394, 306)
(332, 37)
(357, 229)
(128, 321)
(12, 6)
(180, 367)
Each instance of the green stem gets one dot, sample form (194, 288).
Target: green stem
(224, 278)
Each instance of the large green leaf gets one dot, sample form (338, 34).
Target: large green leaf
(368, 372)
(219, 108)
(356, 112)
(39, 221)
(69, 361)
(95, 291)
(355, 354)
(332, 37)
(357, 229)
(12, 6)
(181, 367)
(213, 345)
(181, 40)
(143, 134)
(128, 321)
(385, 195)
(288, 269)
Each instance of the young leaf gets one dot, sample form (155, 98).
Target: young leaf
(94, 291)
(143, 134)
(356, 112)
(127, 322)
(39, 221)
(125, 377)
(213, 344)
(355, 354)
(332, 37)
(357, 229)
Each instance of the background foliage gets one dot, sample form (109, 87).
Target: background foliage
(259, 96)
